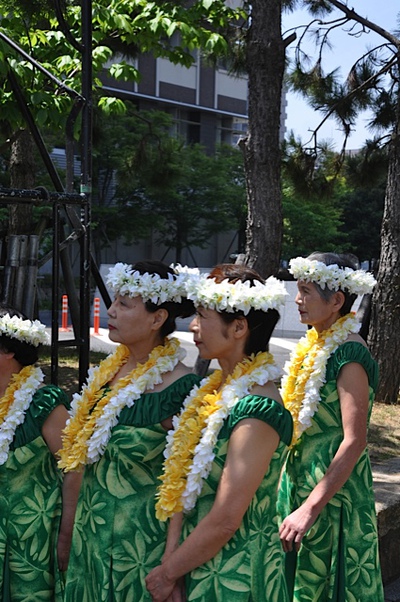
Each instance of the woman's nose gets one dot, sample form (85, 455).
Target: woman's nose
(110, 310)
(193, 324)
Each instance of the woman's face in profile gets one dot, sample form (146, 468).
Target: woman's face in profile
(313, 309)
(129, 322)
(211, 335)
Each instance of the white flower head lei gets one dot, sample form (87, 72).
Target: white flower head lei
(32, 379)
(238, 296)
(124, 280)
(32, 332)
(357, 282)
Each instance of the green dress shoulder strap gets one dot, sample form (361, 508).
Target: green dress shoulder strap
(43, 403)
(152, 408)
(350, 352)
(266, 409)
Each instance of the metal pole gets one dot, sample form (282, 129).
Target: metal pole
(86, 186)
(55, 294)
(28, 305)
(20, 289)
(10, 270)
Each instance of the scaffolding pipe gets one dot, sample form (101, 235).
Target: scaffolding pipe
(86, 185)
(19, 289)
(10, 269)
(29, 305)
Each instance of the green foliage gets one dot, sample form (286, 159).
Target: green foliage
(121, 29)
(362, 218)
(330, 205)
(310, 224)
(160, 185)
(203, 195)
(310, 200)
(372, 81)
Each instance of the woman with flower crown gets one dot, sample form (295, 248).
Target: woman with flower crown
(225, 454)
(326, 498)
(33, 496)
(117, 434)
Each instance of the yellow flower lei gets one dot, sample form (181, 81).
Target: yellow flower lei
(89, 408)
(14, 403)
(189, 452)
(306, 370)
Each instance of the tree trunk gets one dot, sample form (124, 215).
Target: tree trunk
(22, 172)
(384, 337)
(265, 59)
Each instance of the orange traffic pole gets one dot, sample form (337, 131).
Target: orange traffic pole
(64, 313)
(96, 315)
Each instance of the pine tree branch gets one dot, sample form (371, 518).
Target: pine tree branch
(354, 92)
(352, 15)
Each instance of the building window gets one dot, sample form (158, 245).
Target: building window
(231, 129)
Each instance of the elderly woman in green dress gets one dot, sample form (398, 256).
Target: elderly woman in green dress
(33, 496)
(117, 434)
(225, 454)
(326, 498)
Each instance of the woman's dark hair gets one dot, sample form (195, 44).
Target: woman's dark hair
(175, 310)
(343, 261)
(261, 323)
(24, 353)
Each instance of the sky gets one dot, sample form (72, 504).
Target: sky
(346, 49)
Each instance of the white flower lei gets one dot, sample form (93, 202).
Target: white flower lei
(151, 287)
(357, 282)
(16, 413)
(27, 331)
(338, 335)
(238, 296)
(204, 450)
(125, 397)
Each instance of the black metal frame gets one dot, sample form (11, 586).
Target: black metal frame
(66, 200)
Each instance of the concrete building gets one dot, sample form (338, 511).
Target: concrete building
(208, 105)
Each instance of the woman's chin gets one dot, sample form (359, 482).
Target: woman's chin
(112, 335)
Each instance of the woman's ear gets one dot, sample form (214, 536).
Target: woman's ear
(241, 328)
(159, 317)
(7, 354)
(338, 300)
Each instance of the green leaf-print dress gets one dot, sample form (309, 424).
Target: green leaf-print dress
(117, 539)
(30, 508)
(249, 568)
(338, 559)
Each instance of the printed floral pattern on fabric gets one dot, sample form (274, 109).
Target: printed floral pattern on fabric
(30, 509)
(338, 560)
(249, 568)
(117, 539)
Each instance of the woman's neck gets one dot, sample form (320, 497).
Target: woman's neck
(6, 375)
(139, 353)
(228, 364)
(327, 324)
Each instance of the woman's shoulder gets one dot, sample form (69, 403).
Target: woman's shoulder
(267, 409)
(355, 338)
(48, 397)
(179, 372)
(269, 389)
(354, 350)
